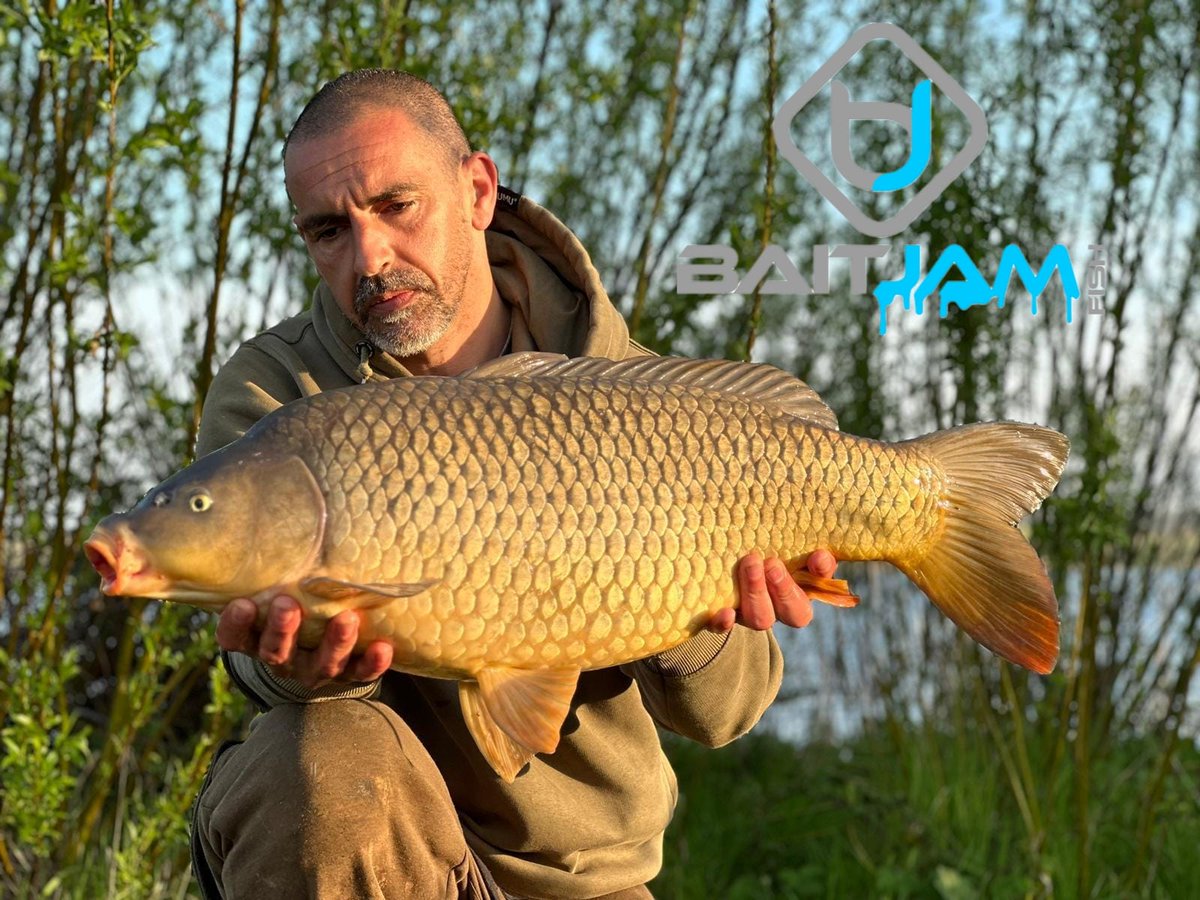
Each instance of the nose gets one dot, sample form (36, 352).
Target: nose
(372, 252)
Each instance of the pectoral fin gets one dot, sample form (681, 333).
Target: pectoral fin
(504, 754)
(529, 704)
(361, 596)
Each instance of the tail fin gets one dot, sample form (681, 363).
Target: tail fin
(980, 571)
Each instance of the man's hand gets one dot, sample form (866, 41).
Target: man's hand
(768, 593)
(275, 644)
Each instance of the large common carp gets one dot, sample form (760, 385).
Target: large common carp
(539, 516)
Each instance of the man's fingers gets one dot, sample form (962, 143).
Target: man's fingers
(821, 563)
(336, 646)
(375, 660)
(791, 604)
(276, 645)
(235, 627)
(278, 639)
(315, 668)
(723, 620)
(755, 610)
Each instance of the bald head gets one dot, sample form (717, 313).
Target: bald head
(362, 91)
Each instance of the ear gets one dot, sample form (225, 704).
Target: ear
(480, 173)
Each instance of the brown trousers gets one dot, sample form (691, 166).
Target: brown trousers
(335, 799)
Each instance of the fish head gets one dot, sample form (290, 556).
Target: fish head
(233, 524)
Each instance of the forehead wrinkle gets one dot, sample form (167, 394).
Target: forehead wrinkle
(384, 145)
(327, 171)
(354, 177)
(367, 150)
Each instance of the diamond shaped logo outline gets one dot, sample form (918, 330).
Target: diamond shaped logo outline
(976, 141)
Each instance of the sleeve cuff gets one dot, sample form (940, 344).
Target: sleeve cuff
(267, 689)
(691, 656)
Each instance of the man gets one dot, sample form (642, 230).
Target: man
(364, 782)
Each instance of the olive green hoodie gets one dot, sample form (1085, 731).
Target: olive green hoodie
(588, 819)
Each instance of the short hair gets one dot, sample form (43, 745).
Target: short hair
(339, 101)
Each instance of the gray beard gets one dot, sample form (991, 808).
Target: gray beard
(408, 331)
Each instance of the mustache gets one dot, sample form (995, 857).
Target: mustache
(371, 286)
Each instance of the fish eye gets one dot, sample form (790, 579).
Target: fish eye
(200, 502)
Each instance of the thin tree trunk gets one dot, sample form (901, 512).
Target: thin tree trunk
(768, 145)
(659, 186)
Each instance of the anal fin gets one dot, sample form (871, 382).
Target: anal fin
(503, 754)
(834, 591)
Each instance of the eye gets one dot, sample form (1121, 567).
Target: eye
(200, 503)
(326, 234)
(399, 206)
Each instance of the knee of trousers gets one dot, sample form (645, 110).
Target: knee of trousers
(324, 777)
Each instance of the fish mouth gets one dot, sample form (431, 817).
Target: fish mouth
(122, 566)
(102, 553)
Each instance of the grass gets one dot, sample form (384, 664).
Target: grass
(916, 812)
(904, 810)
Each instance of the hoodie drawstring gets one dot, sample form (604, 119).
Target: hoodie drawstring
(364, 370)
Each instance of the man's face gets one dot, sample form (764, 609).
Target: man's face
(389, 223)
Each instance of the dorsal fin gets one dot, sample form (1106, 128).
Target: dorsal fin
(517, 365)
(751, 381)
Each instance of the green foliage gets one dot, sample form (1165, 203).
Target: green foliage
(150, 854)
(44, 749)
(918, 812)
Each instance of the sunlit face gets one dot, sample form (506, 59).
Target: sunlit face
(390, 225)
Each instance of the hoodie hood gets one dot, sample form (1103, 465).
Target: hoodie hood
(540, 269)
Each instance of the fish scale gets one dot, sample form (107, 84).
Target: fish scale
(540, 516)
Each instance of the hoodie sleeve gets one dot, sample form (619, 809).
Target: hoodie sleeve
(248, 387)
(712, 688)
(245, 389)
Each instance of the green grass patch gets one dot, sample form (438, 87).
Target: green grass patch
(914, 812)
